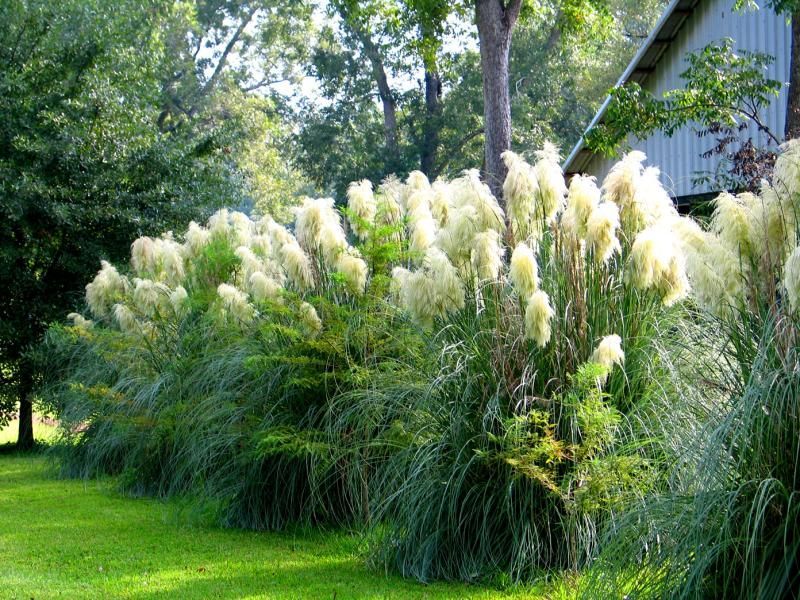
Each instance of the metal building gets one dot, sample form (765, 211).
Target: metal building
(688, 26)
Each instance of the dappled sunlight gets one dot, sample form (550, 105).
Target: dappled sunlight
(83, 540)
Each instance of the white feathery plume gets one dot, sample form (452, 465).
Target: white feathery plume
(143, 255)
(297, 265)
(196, 239)
(179, 299)
(235, 303)
(601, 231)
(355, 271)
(524, 271)
(520, 190)
(262, 287)
(80, 321)
(538, 315)
(126, 319)
(361, 202)
(487, 255)
(791, 279)
(552, 188)
(583, 198)
(657, 262)
(105, 289)
(607, 354)
(310, 318)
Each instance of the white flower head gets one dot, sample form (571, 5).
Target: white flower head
(179, 299)
(524, 271)
(538, 315)
(791, 280)
(80, 321)
(143, 255)
(310, 318)
(106, 288)
(196, 239)
(487, 255)
(583, 198)
(609, 352)
(126, 319)
(657, 262)
(361, 202)
(601, 231)
(235, 303)
(552, 188)
(355, 271)
(297, 265)
(520, 191)
(151, 297)
(262, 287)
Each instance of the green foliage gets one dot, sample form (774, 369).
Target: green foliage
(726, 523)
(575, 50)
(504, 461)
(727, 527)
(84, 166)
(99, 545)
(723, 87)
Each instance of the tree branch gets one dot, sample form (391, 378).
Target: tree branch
(223, 59)
(458, 146)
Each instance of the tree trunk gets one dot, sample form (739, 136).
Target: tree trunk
(349, 13)
(793, 101)
(496, 20)
(25, 439)
(433, 113)
(387, 100)
(384, 91)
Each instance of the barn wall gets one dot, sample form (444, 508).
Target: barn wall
(679, 156)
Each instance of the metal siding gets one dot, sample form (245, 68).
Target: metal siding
(679, 157)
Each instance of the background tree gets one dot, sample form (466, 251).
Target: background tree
(107, 135)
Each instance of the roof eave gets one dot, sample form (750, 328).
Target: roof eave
(630, 69)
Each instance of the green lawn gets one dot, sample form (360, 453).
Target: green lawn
(73, 539)
(41, 431)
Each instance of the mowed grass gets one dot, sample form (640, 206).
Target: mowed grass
(41, 432)
(75, 539)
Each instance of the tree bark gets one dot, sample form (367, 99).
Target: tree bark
(496, 20)
(793, 101)
(349, 13)
(25, 439)
(433, 113)
(384, 91)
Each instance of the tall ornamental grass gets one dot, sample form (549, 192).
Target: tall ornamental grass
(728, 525)
(509, 447)
(207, 367)
(476, 385)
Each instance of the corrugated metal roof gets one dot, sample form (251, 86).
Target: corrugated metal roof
(688, 26)
(642, 65)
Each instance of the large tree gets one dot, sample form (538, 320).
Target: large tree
(567, 55)
(111, 129)
(495, 20)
